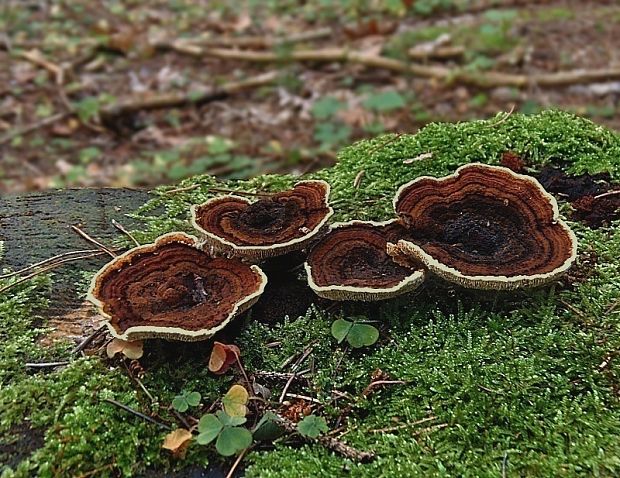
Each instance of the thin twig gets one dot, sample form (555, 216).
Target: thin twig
(358, 178)
(36, 58)
(429, 429)
(181, 418)
(573, 308)
(234, 466)
(46, 364)
(137, 413)
(120, 227)
(245, 375)
(46, 261)
(384, 144)
(138, 381)
(181, 190)
(280, 375)
(94, 241)
(251, 41)
(286, 387)
(42, 270)
(304, 397)
(240, 193)
(88, 340)
(503, 118)
(378, 383)
(608, 193)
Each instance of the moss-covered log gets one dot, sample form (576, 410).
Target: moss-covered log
(522, 384)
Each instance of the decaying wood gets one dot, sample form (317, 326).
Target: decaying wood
(36, 227)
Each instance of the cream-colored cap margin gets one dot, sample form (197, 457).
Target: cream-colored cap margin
(489, 282)
(172, 333)
(258, 252)
(341, 292)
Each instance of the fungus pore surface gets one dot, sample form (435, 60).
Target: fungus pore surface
(273, 225)
(352, 263)
(485, 227)
(172, 289)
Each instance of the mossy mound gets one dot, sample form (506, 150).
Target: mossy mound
(524, 383)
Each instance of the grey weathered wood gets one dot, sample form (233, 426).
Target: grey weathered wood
(36, 226)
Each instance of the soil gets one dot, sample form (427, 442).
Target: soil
(569, 187)
(22, 442)
(285, 295)
(593, 198)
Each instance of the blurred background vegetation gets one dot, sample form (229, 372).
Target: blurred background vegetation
(68, 69)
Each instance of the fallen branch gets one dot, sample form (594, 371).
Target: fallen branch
(36, 58)
(34, 126)
(487, 79)
(332, 443)
(152, 101)
(440, 53)
(251, 41)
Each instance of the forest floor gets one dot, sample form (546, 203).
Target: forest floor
(66, 66)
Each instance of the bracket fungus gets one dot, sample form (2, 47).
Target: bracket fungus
(351, 262)
(485, 227)
(272, 226)
(172, 289)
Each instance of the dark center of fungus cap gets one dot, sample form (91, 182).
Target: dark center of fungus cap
(485, 221)
(352, 263)
(271, 226)
(172, 289)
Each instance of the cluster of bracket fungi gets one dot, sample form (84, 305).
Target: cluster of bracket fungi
(483, 227)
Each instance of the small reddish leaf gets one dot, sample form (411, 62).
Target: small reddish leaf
(177, 441)
(222, 357)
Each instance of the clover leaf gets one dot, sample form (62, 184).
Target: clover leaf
(231, 439)
(357, 333)
(312, 426)
(185, 400)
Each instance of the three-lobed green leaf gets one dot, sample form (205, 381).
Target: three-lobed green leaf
(340, 329)
(209, 427)
(362, 335)
(231, 438)
(187, 399)
(357, 334)
(312, 426)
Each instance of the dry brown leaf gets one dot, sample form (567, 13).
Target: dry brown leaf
(177, 441)
(244, 20)
(132, 350)
(222, 357)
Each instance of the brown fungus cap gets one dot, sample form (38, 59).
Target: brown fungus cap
(278, 224)
(352, 263)
(485, 227)
(173, 290)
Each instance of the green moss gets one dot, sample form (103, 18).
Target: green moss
(519, 381)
